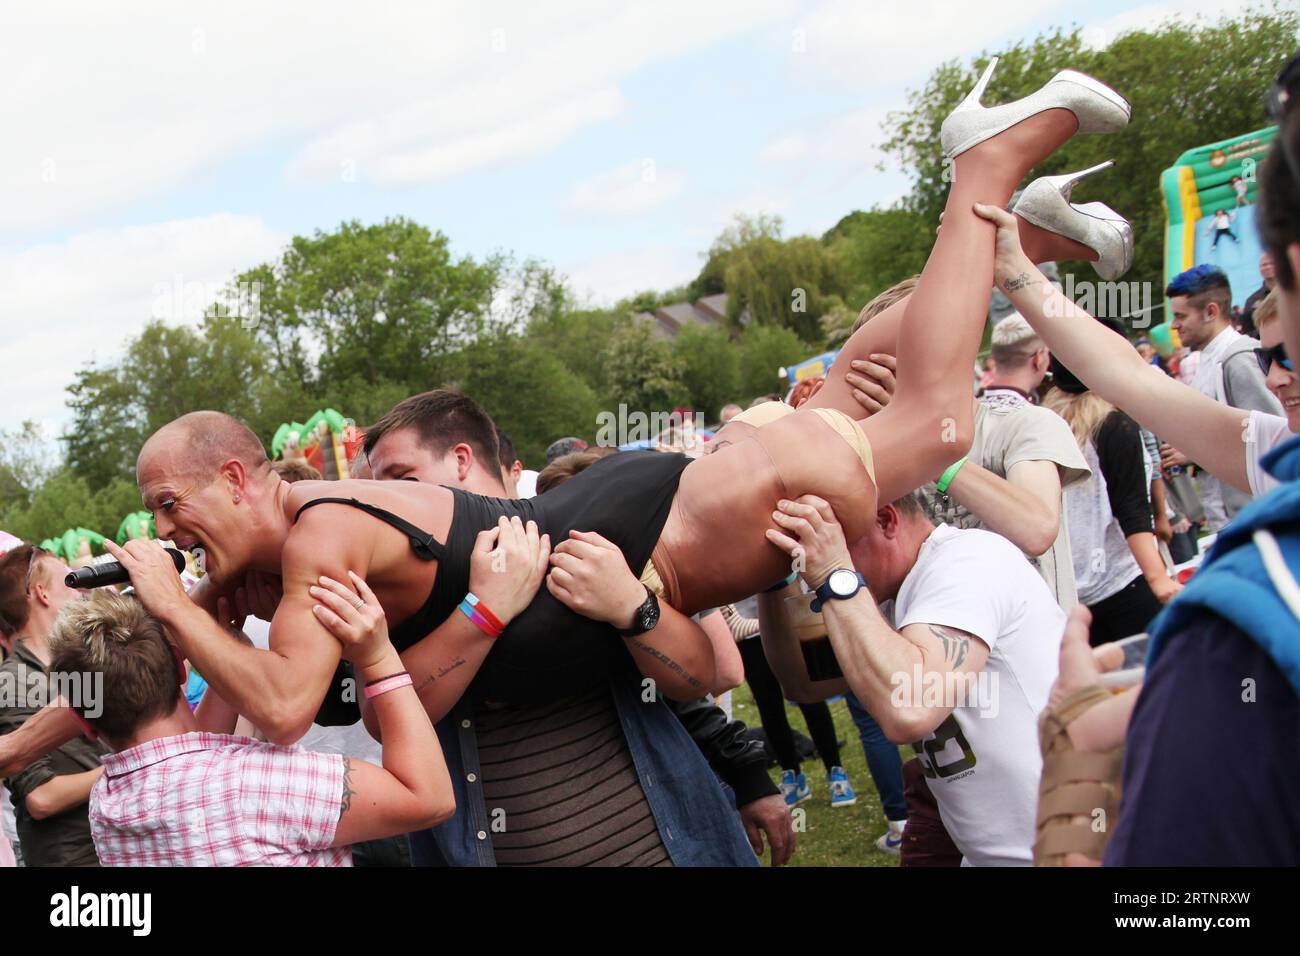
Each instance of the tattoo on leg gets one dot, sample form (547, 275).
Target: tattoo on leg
(672, 664)
(346, 803)
(956, 644)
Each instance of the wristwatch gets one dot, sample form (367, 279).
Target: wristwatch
(644, 618)
(840, 585)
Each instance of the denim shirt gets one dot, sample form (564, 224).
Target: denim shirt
(696, 817)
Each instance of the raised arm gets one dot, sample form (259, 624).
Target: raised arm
(505, 572)
(590, 576)
(1024, 507)
(1211, 434)
(412, 790)
(879, 663)
(45, 731)
(280, 689)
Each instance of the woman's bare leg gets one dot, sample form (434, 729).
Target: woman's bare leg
(880, 334)
(928, 425)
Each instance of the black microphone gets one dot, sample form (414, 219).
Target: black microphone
(112, 572)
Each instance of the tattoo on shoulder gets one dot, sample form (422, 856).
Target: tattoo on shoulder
(956, 644)
(1019, 282)
(345, 804)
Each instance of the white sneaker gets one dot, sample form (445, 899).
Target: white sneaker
(891, 841)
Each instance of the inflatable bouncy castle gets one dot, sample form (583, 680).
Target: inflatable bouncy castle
(327, 441)
(1209, 196)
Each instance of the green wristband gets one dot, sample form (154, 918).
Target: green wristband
(946, 479)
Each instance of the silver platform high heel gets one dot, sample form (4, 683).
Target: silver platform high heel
(1097, 107)
(1046, 203)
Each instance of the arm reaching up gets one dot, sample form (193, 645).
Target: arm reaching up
(412, 790)
(1210, 434)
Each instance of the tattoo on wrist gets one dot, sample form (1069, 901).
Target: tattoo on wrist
(1019, 282)
(345, 804)
(956, 644)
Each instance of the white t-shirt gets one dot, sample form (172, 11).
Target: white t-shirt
(1264, 433)
(983, 761)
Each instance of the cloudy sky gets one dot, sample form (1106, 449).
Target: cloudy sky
(154, 145)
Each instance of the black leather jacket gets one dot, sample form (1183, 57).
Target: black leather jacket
(739, 761)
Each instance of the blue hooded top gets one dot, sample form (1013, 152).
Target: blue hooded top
(1233, 582)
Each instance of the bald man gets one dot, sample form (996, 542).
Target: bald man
(209, 484)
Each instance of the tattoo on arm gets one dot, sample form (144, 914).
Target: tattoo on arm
(345, 804)
(1019, 282)
(672, 664)
(442, 671)
(956, 644)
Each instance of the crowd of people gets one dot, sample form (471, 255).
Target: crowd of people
(451, 659)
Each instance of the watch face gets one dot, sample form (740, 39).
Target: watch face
(648, 615)
(843, 583)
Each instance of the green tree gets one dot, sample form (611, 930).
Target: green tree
(710, 364)
(764, 351)
(872, 250)
(530, 394)
(643, 371)
(1188, 84)
(377, 303)
(776, 281)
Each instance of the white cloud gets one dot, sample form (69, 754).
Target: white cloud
(870, 46)
(849, 141)
(1102, 34)
(110, 104)
(62, 304)
(604, 279)
(630, 190)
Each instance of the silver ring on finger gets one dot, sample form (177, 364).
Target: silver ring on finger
(360, 604)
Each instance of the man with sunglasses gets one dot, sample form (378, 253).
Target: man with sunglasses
(50, 796)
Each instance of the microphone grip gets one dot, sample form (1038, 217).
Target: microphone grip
(112, 572)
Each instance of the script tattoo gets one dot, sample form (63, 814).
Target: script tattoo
(1019, 282)
(441, 672)
(655, 652)
(955, 643)
(346, 803)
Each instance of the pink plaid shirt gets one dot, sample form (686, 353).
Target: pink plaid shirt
(202, 799)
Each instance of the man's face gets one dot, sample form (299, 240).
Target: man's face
(48, 575)
(1194, 326)
(400, 456)
(1266, 267)
(1280, 382)
(878, 555)
(195, 513)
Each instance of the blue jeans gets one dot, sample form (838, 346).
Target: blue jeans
(883, 760)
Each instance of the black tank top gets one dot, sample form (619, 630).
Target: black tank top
(547, 650)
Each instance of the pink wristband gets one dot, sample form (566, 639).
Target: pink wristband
(387, 684)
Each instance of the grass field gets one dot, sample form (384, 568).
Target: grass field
(843, 837)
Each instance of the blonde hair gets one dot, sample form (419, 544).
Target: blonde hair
(112, 634)
(1266, 311)
(895, 293)
(1083, 412)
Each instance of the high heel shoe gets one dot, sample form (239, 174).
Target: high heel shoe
(1046, 203)
(1098, 108)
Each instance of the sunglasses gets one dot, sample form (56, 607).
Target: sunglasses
(1275, 354)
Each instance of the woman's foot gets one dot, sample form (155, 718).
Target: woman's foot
(1029, 129)
(1052, 228)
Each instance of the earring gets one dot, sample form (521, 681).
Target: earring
(236, 499)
